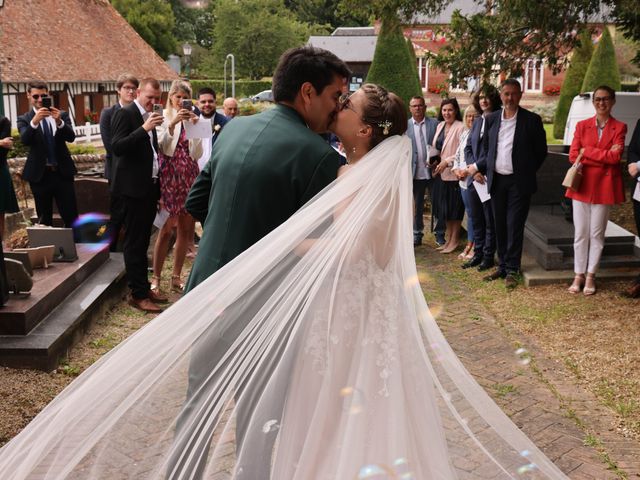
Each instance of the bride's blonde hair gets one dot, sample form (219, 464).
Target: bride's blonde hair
(384, 111)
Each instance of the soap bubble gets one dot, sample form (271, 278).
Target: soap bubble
(525, 356)
(411, 282)
(530, 467)
(353, 400)
(373, 472)
(270, 426)
(92, 228)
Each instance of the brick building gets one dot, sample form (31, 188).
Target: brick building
(79, 47)
(428, 34)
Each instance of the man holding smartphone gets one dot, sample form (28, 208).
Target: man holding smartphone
(49, 168)
(135, 179)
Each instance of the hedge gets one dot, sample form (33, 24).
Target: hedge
(244, 88)
(572, 84)
(392, 63)
(603, 67)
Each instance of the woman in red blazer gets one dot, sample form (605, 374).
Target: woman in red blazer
(600, 142)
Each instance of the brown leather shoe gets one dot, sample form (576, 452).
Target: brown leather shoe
(157, 297)
(633, 291)
(144, 304)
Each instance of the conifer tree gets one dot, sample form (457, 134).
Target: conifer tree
(572, 84)
(603, 67)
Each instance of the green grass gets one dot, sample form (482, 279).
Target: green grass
(503, 389)
(548, 127)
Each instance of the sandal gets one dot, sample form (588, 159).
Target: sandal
(466, 251)
(578, 283)
(176, 284)
(155, 283)
(591, 289)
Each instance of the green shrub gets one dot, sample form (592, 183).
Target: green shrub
(19, 150)
(244, 88)
(392, 64)
(546, 111)
(603, 67)
(81, 149)
(630, 87)
(572, 84)
(249, 108)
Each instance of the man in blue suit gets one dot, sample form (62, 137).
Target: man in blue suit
(49, 168)
(421, 131)
(513, 149)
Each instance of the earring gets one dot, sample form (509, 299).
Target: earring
(353, 150)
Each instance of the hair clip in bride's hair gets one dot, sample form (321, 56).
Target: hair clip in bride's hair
(385, 126)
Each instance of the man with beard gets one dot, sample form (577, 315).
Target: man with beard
(207, 106)
(266, 166)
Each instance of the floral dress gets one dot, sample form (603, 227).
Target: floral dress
(177, 174)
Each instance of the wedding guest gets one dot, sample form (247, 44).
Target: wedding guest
(230, 107)
(447, 191)
(633, 166)
(126, 86)
(421, 130)
(487, 100)
(460, 169)
(513, 149)
(599, 142)
(8, 200)
(178, 164)
(49, 168)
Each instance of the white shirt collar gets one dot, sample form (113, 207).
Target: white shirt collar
(142, 110)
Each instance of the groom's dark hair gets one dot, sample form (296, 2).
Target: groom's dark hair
(305, 64)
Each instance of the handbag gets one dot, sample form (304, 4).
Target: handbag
(573, 177)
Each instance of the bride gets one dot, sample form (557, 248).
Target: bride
(312, 355)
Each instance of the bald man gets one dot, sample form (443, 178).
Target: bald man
(230, 106)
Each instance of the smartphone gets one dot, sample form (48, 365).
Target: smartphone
(47, 102)
(187, 104)
(157, 108)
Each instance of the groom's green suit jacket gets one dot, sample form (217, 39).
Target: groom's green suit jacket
(263, 168)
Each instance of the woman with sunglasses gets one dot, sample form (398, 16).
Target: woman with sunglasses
(597, 145)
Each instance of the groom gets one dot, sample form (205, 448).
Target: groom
(262, 170)
(265, 167)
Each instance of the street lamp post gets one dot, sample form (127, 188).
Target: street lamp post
(186, 49)
(233, 75)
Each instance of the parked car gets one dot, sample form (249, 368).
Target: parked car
(626, 109)
(264, 96)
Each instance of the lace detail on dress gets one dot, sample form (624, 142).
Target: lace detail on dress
(365, 319)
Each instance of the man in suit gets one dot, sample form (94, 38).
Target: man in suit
(49, 168)
(126, 86)
(633, 166)
(289, 162)
(207, 107)
(262, 170)
(134, 178)
(513, 149)
(421, 131)
(230, 106)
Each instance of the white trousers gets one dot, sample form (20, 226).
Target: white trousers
(590, 223)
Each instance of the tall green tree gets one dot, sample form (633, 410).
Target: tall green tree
(256, 32)
(326, 13)
(603, 67)
(153, 20)
(192, 25)
(393, 66)
(506, 34)
(627, 16)
(572, 84)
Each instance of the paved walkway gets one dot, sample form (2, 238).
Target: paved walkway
(539, 394)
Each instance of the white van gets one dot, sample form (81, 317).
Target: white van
(626, 109)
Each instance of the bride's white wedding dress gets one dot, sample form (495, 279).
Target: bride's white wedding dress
(313, 355)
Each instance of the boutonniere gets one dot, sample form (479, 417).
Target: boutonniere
(216, 128)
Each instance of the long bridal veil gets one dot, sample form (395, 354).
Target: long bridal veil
(313, 355)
